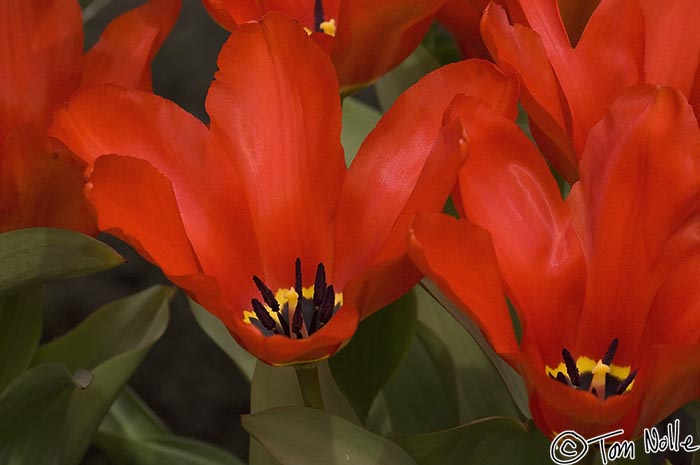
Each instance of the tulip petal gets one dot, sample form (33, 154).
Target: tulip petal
(508, 190)
(142, 212)
(389, 164)
(231, 13)
(392, 274)
(275, 108)
(640, 176)
(521, 49)
(210, 201)
(672, 52)
(459, 257)
(675, 313)
(128, 44)
(40, 49)
(41, 184)
(672, 371)
(461, 18)
(374, 37)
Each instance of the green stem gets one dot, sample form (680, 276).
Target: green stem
(310, 385)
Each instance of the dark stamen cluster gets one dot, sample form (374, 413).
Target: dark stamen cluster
(582, 381)
(318, 15)
(309, 316)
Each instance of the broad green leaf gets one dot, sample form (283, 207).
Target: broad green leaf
(130, 417)
(381, 342)
(512, 380)
(489, 441)
(395, 82)
(218, 333)
(358, 120)
(32, 412)
(274, 387)
(444, 381)
(110, 344)
(34, 256)
(442, 45)
(480, 389)
(162, 449)
(20, 331)
(305, 436)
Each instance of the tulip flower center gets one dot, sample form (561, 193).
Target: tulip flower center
(602, 378)
(296, 312)
(320, 22)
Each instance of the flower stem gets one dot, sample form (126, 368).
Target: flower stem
(309, 385)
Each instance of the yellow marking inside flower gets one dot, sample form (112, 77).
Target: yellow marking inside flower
(327, 27)
(598, 370)
(289, 297)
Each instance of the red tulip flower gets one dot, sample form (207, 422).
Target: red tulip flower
(41, 64)
(257, 217)
(604, 283)
(365, 38)
(574, 62)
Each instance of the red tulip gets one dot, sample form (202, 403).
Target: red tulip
(603, 283)
(365, 38)
(41, 63)
(574, 62)
(257, 217)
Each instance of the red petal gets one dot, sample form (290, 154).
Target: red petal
(461, 18)
(127, 46)
(640, 176)
(279, 122)
(40, 49)
(41, 184)
(675, 314)
(599, 53)
(230, 13)
(673, 371)
(460, 259)
(142, 212)
(672, 52)
(508, 190)
(207, 189)
(520, 49)
(393, 274)
(389, 164)
(373, 37)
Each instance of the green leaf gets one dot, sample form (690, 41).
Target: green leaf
(511, 378)
(444, 381)
(278, 387)
(130, 417)
(304, 436)
(163, 449)
(110, 344)
(493, 440)
(395, 82)
(20, 331)
(33, 409)
(442, 45)
(381, 342)
(480, 389)
(37, 255)
(358, 120)
(218, 333)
